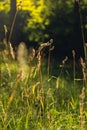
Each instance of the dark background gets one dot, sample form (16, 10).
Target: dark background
(67, 27)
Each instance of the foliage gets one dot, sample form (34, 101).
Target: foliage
(38, 21)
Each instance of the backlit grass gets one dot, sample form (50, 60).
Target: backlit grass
(31, 98)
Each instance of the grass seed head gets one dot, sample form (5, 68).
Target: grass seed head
(22, 55)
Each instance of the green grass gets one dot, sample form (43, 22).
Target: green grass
(30, 99)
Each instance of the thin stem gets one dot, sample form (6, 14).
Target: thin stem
(74, 69)
(82, 30)
(12, 27)
(49, 61)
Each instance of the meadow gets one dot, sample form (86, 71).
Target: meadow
(36, 94)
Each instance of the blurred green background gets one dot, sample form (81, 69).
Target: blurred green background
(37, 21)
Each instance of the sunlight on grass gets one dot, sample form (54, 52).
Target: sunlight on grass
(31, 98)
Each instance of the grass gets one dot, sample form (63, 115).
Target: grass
(34, 98)
(38, 95)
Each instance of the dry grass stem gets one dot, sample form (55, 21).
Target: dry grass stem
(74, 69)
(82, 116)
(84, 71)
(12, 51)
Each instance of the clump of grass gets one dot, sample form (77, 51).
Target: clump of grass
(33, 100)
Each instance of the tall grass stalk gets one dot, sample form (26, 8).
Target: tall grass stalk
(84, 69)
(40, 78)
(82, 96)
(74, 69)
(49, 56)
(82, 30)
(14, 19)
(82, 111)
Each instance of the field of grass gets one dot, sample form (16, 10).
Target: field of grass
(36, 95)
